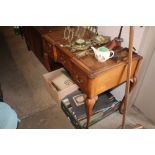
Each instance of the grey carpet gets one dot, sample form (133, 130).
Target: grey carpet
(21, 81)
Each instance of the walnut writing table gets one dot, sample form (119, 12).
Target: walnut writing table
(90, 75)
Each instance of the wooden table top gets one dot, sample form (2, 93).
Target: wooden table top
(88, 63)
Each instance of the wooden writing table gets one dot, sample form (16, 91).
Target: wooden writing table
(90, 75)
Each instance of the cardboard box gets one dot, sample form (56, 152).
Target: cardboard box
(56, 94)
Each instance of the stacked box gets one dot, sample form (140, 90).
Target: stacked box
(74, 108)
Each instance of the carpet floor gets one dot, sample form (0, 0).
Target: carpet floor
(22, 83)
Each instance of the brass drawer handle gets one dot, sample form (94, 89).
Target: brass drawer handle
(78, 79)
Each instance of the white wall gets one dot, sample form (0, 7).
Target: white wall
(113, 31)
(147, 49)
(145, 97)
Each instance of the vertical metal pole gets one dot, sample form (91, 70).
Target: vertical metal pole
(131, 36)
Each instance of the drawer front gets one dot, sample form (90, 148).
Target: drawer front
(79, 77)
(49, 46)
(64, 60)
(49, 49)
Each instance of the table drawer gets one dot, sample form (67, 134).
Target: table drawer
(57, 94)
(49, 50)
(64, 60)
(79, 77)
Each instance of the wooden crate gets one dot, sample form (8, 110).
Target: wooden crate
(57, 95)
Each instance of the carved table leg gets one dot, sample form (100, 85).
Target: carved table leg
(90, 102)
(132, 85)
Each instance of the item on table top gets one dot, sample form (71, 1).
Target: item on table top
(102, 53)
(121, 55)
(69, 34)
(80, 45)
(100, 39)
(119, 39)
(116, 42)
(103, 49)
(80, 41)
(82, 54)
